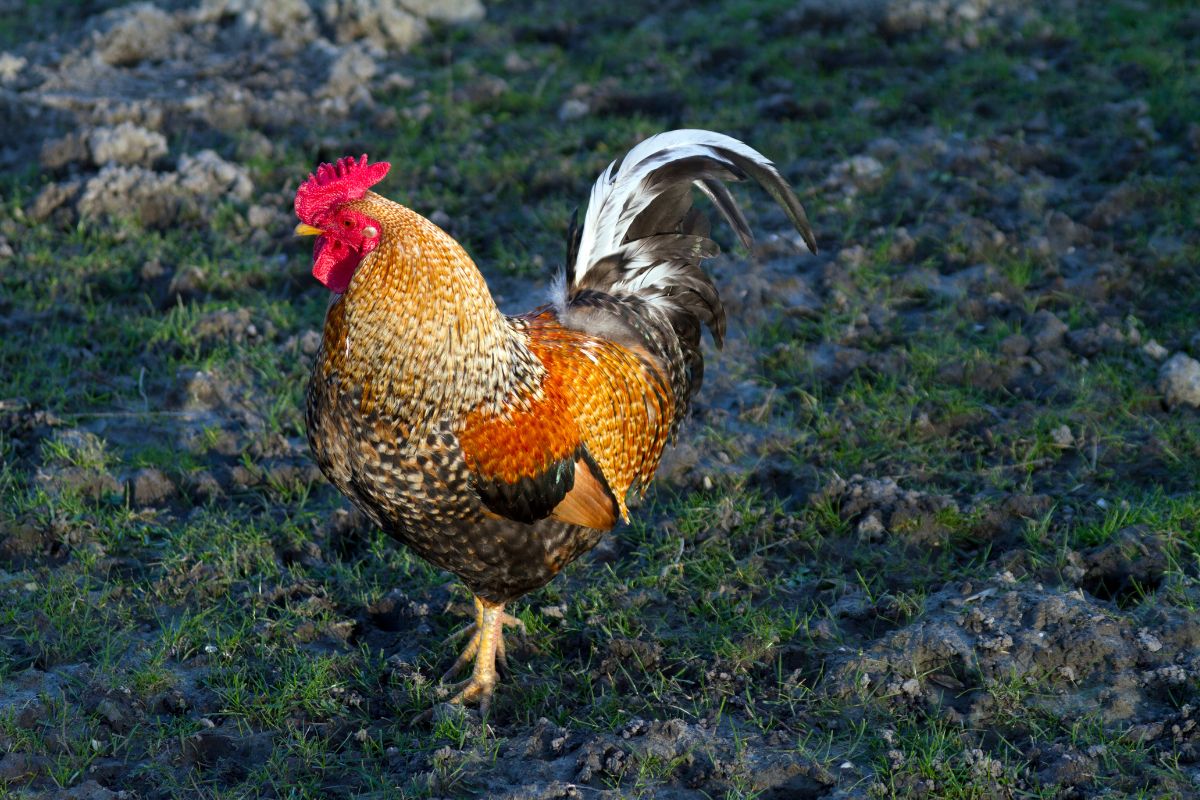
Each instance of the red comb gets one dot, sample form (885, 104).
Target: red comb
(334, 184)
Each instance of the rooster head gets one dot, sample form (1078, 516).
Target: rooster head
(344, 235)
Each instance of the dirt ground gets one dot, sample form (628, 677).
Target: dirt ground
(932, 532)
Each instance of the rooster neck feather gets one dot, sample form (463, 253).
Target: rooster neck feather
(427, 339)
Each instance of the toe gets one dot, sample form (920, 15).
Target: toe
(509, 621)
(470, 629)
(465, 658)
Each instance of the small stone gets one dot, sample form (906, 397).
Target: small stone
(1015, 346)
(52, 197)
(10, 67)
(903, 246)
(207, 177)
(223, 325)
(1064, 233)
(1149, 641)
(187, 283)
(152, 270)
(1155, 350)
(856, 174)
(244, 477)
(555, 612)
(350, 74)
(387, 26)
(1179, 381)
(131, 191)
(310, 342)
(111, 712)
(261, 217)
(71, 148)
(852, 257)
(513, 62)
(573, 109)
(201, 390)
(208, 747)
(456, 11)
(94, 483)
(1090, 341)
(822, 630)
(171, 701)
(1062, 436)
(871, 528)
(1048, 331)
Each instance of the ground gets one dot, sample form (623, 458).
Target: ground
(932, 531)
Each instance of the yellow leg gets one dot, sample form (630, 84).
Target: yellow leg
(485, 647)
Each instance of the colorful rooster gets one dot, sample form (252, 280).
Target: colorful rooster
(502, 448)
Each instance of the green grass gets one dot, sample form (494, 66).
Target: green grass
(735, 604)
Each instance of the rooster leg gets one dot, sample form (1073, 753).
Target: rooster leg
(485, 647)
(472, 648)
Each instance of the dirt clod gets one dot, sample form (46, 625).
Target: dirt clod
(1179, 381)
(151, 487)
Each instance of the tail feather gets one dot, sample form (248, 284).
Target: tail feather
(642, 239)
(722, 198)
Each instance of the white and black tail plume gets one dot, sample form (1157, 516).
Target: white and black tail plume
(642, 242)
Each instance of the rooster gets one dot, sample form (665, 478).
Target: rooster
(502, 448)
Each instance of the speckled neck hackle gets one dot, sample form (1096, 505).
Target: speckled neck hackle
(428, 337)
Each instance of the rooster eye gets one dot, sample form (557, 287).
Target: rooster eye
(347, 223)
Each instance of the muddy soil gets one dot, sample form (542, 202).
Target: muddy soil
(989, 593)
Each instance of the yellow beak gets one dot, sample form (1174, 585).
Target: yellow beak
(308, 230)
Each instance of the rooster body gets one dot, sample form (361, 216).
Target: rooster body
(502, 448)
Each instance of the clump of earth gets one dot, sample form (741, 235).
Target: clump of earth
(108, 102)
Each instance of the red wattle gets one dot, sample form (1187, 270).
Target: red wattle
(334, 264)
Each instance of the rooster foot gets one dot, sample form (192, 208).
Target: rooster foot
(486, 649)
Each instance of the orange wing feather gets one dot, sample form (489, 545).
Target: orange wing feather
(590, 502)
(523, 441)
(598, 395)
